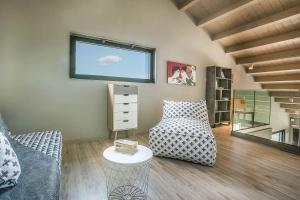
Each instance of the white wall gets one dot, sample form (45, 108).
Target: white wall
(36, 92)
(279, 118)
(244, 81)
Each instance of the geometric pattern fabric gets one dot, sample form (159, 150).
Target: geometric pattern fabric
(9, 164)
(184, 133)
(47, 142)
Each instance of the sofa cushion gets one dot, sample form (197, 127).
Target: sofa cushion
(186, 109)
(183, 126)
(40, 177)
(3, 128)
(9, 164)
(47, 142)
(183, 139)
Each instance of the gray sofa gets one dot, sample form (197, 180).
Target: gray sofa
(39, 155)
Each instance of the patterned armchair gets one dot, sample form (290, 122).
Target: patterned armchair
(184, 133)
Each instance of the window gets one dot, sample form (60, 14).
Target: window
(101, 59)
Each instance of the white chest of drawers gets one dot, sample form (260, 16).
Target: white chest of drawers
(122, 112)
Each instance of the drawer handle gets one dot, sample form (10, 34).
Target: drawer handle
(126, 103)
(126, 86)
(126, 112)
(125, 120)
(126, 95)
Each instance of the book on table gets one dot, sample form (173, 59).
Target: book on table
(127, 146)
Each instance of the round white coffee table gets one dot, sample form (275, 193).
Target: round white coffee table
(127, 174)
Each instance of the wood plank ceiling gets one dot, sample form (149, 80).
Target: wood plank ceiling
(263, 36)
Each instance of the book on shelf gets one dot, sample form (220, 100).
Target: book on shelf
(222, 74)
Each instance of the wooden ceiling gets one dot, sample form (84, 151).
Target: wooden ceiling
(263, 36)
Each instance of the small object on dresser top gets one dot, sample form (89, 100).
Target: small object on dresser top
(127, 146)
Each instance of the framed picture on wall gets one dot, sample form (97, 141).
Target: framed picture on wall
(181, 74)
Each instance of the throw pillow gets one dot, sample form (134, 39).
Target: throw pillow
(3, 127)
(9, 164)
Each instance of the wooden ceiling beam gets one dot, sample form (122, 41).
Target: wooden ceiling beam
(292, 111)
(290, 106)
(261, 23)
(264, 41)
(285, 94)
(287, 100)
(293, 53)
(273, 68)
(283, 77)
(187, 4)
(275, 86)
(295, 115)
(234, 7)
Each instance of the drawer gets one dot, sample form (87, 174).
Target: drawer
(121, 107)
(125, 124)
(125, 98)
(125, 89)
(125, 115)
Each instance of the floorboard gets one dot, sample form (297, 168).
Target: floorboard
(244, 170)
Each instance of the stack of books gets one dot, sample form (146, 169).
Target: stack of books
(126, 146)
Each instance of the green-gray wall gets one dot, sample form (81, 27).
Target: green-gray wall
(36, 92)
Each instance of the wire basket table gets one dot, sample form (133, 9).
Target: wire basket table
(127, 174)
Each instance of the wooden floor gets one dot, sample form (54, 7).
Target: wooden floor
(244, 170)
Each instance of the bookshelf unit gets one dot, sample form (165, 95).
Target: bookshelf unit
(218, 95)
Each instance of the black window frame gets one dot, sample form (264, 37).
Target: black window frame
(110, 43)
